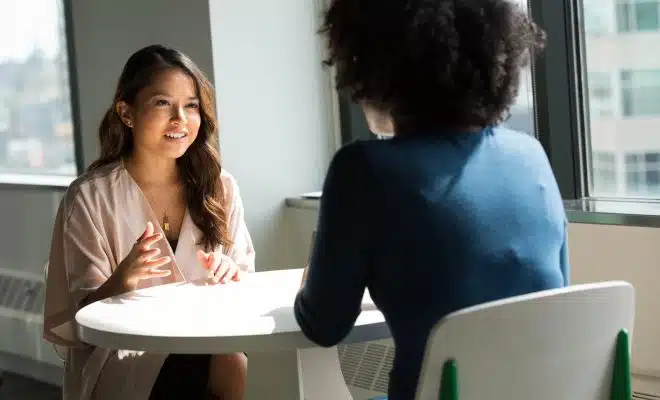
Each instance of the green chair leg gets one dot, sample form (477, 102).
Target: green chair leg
(621, 378)
(449, 384)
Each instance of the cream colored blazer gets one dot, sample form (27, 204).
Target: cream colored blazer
(98, 221)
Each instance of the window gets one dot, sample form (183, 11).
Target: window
(36, 124)
(600, 20)
(522, 111)
(640, 92)
(623, 99)
(601, 96)
(604, 173)
(638, 15)
(643, 174)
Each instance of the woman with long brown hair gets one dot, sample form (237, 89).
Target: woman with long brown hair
(158, 177)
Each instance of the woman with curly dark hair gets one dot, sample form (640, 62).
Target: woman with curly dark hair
(454, 210)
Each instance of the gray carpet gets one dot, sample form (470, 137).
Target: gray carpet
(15, 387)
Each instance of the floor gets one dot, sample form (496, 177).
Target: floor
(14, 387)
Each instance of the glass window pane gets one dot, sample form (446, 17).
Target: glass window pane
(640, 92)
(600, 22)
(601, 100)
(36, 128)
(623, 15)
(623, 97)
(646, 15)
(522, 116)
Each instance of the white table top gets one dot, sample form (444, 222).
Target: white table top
(255, 314)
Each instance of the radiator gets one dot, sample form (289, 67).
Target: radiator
(21, 321)
(366, 367)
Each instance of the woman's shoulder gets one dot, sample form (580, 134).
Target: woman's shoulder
(229, 186)
(517, 139)
(356, 153)
(90, 184)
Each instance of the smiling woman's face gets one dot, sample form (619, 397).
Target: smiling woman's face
(165, 117)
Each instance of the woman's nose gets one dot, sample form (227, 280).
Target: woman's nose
(180, 114)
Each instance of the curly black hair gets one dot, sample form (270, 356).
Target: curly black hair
(432, 64)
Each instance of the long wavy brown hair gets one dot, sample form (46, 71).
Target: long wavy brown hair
(200, 165)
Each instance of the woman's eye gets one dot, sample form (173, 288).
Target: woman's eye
(161, 102)
(193, 105)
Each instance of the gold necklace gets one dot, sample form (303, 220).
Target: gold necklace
(166, 223)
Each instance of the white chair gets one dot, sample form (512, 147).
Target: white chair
(569, 344)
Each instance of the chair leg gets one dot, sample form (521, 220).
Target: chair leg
(449, 383)
(621, 376)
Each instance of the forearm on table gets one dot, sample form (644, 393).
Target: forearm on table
(113, 286)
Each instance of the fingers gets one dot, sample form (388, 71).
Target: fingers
(204, 258)
(226, 271)
(155, 263)
(148, 254)
(149, 241)
(148, 232)
(144, 233)
(150, 229)
(222, 272)
(158, 273)
(152, 273)
(238, 276)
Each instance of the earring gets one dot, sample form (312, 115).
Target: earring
(129, 123)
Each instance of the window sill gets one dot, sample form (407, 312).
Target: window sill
(35, 181)
(588, 211)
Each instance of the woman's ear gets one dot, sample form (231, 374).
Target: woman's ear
(124, 112)
(379, 122)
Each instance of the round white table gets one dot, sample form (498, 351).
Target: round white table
(253, 316)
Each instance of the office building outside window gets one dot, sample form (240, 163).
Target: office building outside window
(605, 172)
(623, 75)
(638, 15)
(36, 124)
(601, 94)
(643, 174)
(640, 92)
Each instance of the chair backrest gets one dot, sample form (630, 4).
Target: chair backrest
(550, 345)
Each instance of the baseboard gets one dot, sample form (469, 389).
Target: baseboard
(33, 369)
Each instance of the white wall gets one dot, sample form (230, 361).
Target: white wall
(274, 110)
(598, 253)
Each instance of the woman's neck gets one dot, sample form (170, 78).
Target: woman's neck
(153, 171)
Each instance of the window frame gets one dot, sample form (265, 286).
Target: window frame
(50, 181)
(560, 82)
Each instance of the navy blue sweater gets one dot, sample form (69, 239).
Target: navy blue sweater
(431, 225)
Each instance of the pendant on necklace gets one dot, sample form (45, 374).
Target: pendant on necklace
(166, 223)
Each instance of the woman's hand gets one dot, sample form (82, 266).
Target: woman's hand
(222, 268)
(141, 263)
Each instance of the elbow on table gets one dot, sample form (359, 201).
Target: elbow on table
(324, 337)
(321, 334)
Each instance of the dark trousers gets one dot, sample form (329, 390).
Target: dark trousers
(183, 376)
